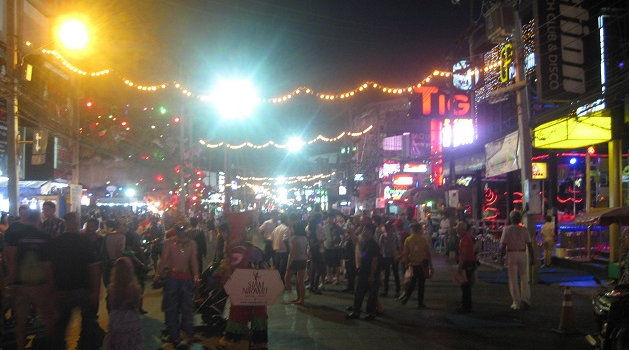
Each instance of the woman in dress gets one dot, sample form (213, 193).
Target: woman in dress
(297, 261)
(123, 302)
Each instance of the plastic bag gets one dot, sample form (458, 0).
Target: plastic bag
(459, 276)
(408, 275)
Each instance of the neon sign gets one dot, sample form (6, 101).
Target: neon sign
(464, 180)
(507, 56)
(402, 180)
(436, 103)
(415, 168)
(388, 169)
(457, 132)
(393, 193)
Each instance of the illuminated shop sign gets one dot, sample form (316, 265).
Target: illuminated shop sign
(415, 168)
(388, 169)
(464, 76)
(432, 102)
(457, 132)
(358, 177)
(539, 171)
(402, 180)
(505, 65)
(393, 193)
(464, 180)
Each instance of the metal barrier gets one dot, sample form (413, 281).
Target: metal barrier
(440, 244)
(489, 249)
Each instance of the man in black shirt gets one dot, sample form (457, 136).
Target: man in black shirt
(368, 277)
(27, 282)
(76, 276)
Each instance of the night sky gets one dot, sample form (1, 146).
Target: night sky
(329, 46)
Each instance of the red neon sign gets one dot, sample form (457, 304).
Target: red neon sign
(436, 103)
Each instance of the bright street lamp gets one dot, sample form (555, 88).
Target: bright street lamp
(235, 98)
(295, 144)
(72, 35)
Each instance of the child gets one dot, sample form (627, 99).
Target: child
(123, 300)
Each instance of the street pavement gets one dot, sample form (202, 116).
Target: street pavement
(320, 324)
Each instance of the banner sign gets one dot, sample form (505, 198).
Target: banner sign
(502, 155)
(567, 48)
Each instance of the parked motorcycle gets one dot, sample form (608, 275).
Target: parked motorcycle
(610, 307)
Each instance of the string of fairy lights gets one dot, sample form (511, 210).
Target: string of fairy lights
(267, 183)
(491, 67)
(492, 64)
(295, 143)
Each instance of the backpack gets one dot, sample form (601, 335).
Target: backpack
(30, 268)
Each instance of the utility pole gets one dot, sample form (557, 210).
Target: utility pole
(182, 163)
(524, 132)
(14, 11)
(75, 187)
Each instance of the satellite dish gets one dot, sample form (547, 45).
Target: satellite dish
(111, 188)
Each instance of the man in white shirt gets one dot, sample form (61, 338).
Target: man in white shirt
(516, 241)
(280, 240)
(265, 230)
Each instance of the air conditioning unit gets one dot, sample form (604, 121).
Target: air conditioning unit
(499, 22)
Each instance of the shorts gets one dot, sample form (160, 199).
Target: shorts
(332, 258)
(27, 297)
(297, 265)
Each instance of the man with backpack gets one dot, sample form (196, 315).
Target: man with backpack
(27, 283)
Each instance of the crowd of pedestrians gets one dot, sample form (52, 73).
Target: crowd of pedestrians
(59, 259)
(55, 265)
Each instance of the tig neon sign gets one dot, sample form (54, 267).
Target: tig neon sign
(439, 103)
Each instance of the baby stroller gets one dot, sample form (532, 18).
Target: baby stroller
(211, 298)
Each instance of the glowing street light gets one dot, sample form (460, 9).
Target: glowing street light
(73, 34)
(295, 144)
(235, 98)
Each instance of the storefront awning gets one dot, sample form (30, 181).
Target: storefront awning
(574, 132)
(604, 216)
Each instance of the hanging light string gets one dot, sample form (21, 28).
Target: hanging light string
(490, 67)
(71, 67)
(279, 99)
(279, 180)
(278, 145)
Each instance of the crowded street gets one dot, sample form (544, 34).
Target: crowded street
(320, 323)
(281, 174)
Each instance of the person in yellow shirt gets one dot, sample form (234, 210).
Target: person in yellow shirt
(416, 253)
(549, 239)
